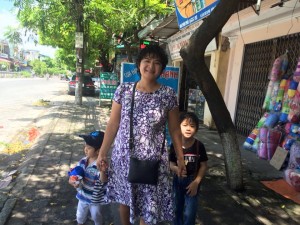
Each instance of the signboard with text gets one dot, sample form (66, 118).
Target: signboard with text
(170, 76)
(108, 85)
(188, 12)
(79, 40)
(180, 39)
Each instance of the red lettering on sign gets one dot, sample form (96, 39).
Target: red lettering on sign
(170, 74)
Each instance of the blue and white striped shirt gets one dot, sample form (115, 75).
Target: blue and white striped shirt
(92, 190)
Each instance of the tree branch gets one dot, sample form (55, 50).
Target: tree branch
(211, 27)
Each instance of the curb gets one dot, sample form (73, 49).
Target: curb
(8, 207)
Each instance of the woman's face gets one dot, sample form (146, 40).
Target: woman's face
(150, 67)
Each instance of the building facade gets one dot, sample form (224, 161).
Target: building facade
(256, 40)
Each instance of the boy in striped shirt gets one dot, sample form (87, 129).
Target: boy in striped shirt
(91, 190)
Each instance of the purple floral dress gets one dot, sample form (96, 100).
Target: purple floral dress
(153, 203)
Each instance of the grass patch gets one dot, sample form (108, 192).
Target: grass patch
(16, 147)
(22, 142)
(42, 102)
(3, 143)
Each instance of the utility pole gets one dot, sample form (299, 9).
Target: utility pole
(79, 45)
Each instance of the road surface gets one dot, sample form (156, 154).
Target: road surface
(20, 101)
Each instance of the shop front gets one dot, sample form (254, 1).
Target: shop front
(191, 97)
(255, 42)
(262, 89)
(5, 63)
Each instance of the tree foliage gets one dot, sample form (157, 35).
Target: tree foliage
(54, 21)
(39, 67)
(13, 35)
(65, 59)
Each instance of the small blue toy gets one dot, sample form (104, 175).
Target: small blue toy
(76, 174)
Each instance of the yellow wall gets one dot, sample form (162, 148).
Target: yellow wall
(208, 2)
(218, 68)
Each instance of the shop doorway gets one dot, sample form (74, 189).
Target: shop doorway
(191, 97)
(258, 60)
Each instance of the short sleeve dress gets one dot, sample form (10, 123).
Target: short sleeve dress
(153, 203)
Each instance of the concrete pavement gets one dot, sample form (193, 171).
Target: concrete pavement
(40, 194)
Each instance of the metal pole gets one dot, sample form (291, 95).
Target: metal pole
(100, 89)
(79, 45)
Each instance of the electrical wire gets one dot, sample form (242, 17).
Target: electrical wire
(240, 28)
(292, 18)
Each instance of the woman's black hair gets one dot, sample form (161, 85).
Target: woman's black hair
(189, 116)
(153, 51)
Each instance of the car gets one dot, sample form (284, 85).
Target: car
(96, 81)
(88, 87)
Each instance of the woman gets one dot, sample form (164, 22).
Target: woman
(154, 106)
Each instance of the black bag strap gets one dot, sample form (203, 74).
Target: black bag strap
(198, 156)
(131, 120)
(197, 147)
(131, 139)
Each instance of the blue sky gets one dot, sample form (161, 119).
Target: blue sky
(8, 18)
(6, 4)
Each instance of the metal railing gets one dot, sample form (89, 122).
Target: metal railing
(258, 60)
(5, 74)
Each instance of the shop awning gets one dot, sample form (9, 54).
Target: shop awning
(169, 25)
(167, 28)
(162, 30)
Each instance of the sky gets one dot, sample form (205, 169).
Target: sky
(8, 18)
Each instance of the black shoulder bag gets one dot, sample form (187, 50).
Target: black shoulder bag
(141, 171)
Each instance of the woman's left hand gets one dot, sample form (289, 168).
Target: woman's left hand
(102, 163)
(181, 168)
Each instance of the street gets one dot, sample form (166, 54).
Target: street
(20, 103)
(26, 105)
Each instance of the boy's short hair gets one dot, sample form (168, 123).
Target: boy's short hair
(190, 116)
(93, 139)
(153, 50)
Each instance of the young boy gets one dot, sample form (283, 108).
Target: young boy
(91, 189)
(186, 189)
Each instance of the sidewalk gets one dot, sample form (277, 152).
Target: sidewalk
(41, 194)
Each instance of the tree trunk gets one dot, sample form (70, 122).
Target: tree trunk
(128, 51)
(193, 58)
(79, 57)
(104, 61)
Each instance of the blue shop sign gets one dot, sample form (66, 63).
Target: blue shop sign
(188, 12)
